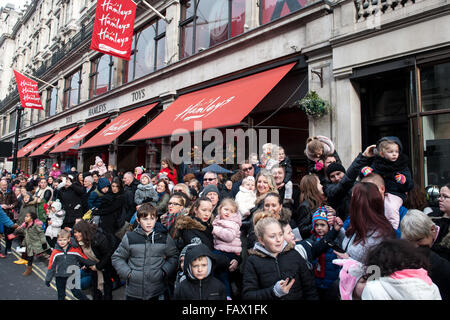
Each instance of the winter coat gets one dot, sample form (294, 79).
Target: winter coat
(442, 244)
(110, 211)
(146, 191)
(8, 198)
(191, 288)
(145, 262)
(85, 198)
(407, 284)
(172, 177)
(57, 219)
(263, 271)
(227, 234)
(71, 200)
(339, 194)
(304, 219)
(188, 228)
(28, 207)
(130, 205)
(45, 195)
(358, 251)
(55, 174)
(286, 163)
(95, 199)
(103, 246)
(162, 206)
(293, 203)
(389, 169)
(34, 237)
(100, 169)
(5, 220)
(440, 271)
(60, 260)
(245, 200)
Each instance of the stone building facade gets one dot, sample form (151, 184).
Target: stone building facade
(382, 65)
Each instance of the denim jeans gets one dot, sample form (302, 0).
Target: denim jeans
(61, 287)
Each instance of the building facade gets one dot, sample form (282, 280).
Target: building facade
(382, 65)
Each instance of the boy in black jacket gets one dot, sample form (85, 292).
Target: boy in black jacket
(199, 283)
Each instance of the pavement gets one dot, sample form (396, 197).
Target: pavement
(15, 286)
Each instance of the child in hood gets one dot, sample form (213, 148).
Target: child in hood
(34, 239)
(56, 218)
(55, 172)
(317, 148)
(200, 284)
(227, 237)
(138, 173)
(392, 165)
(146, 191)
(99, 166)
(246, 197)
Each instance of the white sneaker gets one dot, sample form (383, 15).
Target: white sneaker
(21, 249)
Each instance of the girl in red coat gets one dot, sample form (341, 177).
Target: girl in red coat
(168, 168)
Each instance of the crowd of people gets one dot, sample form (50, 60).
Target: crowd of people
(366, 232)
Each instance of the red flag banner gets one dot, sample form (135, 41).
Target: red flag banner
(113, 27)
(28, 92)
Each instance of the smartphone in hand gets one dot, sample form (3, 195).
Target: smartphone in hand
(335, 247)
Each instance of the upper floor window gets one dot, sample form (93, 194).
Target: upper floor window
(12, 121)
(209, 22)
(72, 90)
(271, 10)
(101, 75)
(147, 52)
(51, 103)
(4, 126)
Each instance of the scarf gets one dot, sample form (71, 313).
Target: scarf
(319, 269)
(91, 256)
(171, 217)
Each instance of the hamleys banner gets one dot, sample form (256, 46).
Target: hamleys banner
(28, 92)
(113, 27)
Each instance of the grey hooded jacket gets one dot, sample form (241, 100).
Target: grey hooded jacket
(145, 262)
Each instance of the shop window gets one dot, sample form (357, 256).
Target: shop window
(271, 10)
(148, 51)
(51, 103)
(435, 87)
(209, 22)
(12, 121)
(436, 140)
(72, 90)
(101, 76)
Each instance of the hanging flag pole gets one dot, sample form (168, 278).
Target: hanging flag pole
(29, 75)
(19, 109)
(157, 12)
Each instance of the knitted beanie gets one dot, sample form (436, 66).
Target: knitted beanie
(210, 188)
(98, 159)
(320, 214)
(148, 176)
(334, 166)
(102, 183)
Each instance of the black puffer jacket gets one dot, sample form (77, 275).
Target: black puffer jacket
(263, 271)
(72, 199)
(191, 288)
(103, 246)
(304, 215)
(145, 262)
(129, 204)
(110, 210)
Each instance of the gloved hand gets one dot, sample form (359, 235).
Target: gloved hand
(47, 283)
(400, 178)
(319, 165)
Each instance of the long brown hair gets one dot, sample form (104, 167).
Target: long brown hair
(87, 230)
(367, 213)
(416, 198)
(309, 191)
(169, 164)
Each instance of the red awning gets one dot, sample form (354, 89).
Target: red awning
(77, 136)
(51, 142)
(118, 126)
(224, 105)
(32, 145)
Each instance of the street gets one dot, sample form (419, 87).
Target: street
(14, 286)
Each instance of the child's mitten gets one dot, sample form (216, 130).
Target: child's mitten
(400, 178)
(366, 171)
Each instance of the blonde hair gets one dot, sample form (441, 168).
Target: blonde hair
(63, 234)
(383, 145)
(270, 181)
(261, 220)
(227, 201)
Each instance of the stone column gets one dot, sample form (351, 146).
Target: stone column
(251, 15)
(167, 98)
(172, 33)
(59, 106)
(348, 119)
(113, 147)
(85, 71)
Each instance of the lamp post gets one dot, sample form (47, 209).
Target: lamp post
(16, 137)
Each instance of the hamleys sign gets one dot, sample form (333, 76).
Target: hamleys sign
(203, 108)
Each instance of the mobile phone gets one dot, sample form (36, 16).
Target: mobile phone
(335, 247)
